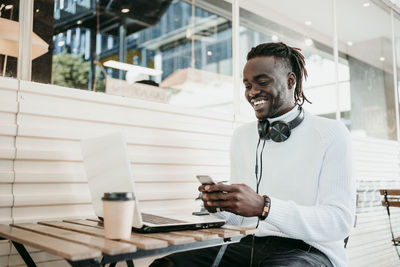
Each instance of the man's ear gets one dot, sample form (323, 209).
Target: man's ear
(291, 80)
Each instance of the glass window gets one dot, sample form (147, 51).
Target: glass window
(9, 31)
(176, 51)
(366, 47)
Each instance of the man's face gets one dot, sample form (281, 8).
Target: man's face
(269, 86)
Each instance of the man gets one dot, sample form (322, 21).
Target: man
(295, 185)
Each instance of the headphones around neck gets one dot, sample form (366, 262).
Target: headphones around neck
(278, 131)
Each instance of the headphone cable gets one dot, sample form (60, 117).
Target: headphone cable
(258, 181)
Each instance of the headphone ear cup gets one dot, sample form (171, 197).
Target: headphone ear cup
(263, 129)
(280, 131)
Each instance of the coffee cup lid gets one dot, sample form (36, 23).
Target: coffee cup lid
(118, 196)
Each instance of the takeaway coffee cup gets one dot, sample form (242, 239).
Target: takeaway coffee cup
(118, 213)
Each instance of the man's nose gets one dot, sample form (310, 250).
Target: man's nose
(254, 91)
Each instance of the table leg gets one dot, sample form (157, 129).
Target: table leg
(24, 254)
(219, 255)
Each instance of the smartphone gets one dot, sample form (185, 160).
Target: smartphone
(205, 179)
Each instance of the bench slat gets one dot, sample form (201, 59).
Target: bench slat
(62, 248)
(391, 203)
(395, 192)
(144, 243)
(107, 246)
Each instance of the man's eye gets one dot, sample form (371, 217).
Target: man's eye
(263, 82)
(247, 87)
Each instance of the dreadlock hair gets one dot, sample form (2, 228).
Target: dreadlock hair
(292, 57)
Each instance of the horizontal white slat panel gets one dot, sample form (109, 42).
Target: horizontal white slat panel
(384, 258)
(34, 214)
(50, 177)
(148, 155)
(159, 191)
(8, 129)
(58, 91)
(6, 196)
(7, 142)
(6, 165)
(8, 98)
(6, 200)
(74, 171)
(172, 206)
(9, 84)
(61, 177)
(6, 176)
(88, 111)
(155, 155)
(50, 189)
(9, 107)
(26, 154)
(378, 158)
(4, 260)
(48, 166)
(5, 215)
(7, 153)
(7, 118)
(5, 248)
(38, 257)
(50, 199)
(59, 136)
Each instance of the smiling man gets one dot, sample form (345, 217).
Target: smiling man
(291, 175)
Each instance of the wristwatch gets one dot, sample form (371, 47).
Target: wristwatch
(267, 205)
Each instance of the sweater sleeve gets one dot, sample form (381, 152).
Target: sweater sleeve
(332, 218)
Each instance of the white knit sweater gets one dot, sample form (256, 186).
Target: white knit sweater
(308, 178)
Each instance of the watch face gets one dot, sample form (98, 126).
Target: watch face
(280, 131)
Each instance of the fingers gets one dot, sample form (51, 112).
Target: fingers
(219, 187)
(217, 196)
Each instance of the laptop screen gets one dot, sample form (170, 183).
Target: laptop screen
(108, 169)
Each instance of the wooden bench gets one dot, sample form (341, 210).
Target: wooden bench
(391, 198)
(81, 242)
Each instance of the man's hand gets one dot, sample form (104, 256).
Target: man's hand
(239, 199)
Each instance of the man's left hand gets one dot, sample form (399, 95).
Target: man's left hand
(239, 199)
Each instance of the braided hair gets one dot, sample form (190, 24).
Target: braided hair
(293, 59)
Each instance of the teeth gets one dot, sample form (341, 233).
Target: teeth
(259, 102)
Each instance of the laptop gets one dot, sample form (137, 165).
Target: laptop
(108, 169)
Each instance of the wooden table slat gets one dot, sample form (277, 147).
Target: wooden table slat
(62, 248)
(172, 239)
(242, 230)
(90, 223)
(225, 233)
(142, 242)
(199, 236)
(107, 246)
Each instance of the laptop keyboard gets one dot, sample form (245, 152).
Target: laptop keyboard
(155, 219)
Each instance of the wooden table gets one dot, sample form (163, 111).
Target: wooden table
(82, 243)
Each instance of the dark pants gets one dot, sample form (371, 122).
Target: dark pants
(268, 251)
